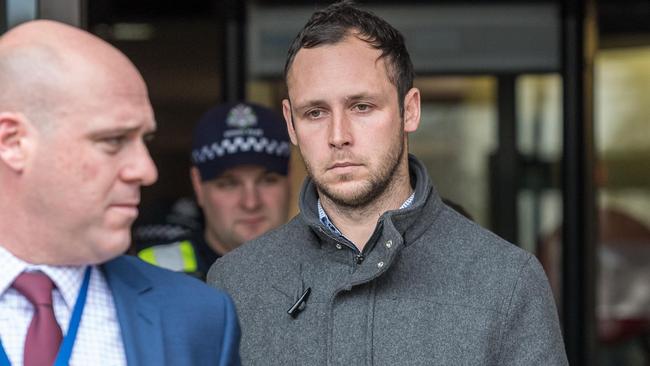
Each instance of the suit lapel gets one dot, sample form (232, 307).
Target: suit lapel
(138, 315)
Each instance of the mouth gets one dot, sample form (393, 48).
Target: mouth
(251, 221)
(343, 167)
(128, 209)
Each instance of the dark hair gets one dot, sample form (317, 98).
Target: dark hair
(342, 19)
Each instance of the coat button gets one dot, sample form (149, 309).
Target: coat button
(339, 246)
(380, 264)
(389, 244)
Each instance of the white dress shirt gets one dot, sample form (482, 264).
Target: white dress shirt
(99, 341)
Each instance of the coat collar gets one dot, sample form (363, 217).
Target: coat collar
(137, 312)
(410, 222)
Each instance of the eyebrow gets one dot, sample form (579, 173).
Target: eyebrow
(362, 96)
(124, 130)
(309, 104)
(318, 102)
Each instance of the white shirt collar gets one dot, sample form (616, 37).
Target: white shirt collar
(66, 278)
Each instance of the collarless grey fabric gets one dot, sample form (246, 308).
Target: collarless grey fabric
(433, 289)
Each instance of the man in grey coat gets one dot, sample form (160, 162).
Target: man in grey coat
(376, 270)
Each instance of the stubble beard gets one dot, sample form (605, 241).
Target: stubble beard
(369, 190)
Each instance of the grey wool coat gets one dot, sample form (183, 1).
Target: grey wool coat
(434, 289)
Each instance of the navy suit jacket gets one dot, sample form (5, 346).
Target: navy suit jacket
(169, 318)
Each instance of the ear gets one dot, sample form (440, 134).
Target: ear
(288, 118)
(412, 110)
(14, 133)
(195, 176)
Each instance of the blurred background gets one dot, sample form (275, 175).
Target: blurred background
(536, 120)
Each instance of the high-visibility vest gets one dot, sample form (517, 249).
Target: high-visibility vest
(178, 256)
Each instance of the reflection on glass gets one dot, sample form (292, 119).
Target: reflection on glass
(623, 153)
(539, 140)
(622, 125)
(455, 137)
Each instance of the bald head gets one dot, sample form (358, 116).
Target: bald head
(74, 118)
(62, 63)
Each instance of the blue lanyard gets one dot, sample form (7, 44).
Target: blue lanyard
(65, 351)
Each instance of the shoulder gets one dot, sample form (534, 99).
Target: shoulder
(273, 251)
(457, 234)
(474, 258)
(195, 319)
(284, 240)
(169, 288)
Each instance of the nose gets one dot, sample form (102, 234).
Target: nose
(250, 199)
(340, 133)
(140, 167)
(150, 175)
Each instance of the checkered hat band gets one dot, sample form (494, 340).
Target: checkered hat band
(240, 145)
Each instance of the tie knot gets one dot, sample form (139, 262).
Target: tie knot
(36, 287)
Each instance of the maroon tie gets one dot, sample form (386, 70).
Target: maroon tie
(44, 334)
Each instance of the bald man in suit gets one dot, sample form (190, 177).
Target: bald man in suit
(74, 119)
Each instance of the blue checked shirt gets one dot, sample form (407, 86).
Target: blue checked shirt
(328, 223)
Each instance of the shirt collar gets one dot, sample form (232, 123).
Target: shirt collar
(66, 278)
(322, 215)
(11, 268)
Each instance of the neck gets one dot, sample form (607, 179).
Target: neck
(18, 241)
(358, 223)
(25, 252)
(27, 232)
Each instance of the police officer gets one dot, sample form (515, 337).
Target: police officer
(240, 158)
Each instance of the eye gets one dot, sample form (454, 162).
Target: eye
(270, 178)
(225, 183)
(117, 140)
(314, 113)
(362, 107)
(113, 143)
(148, 138)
